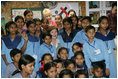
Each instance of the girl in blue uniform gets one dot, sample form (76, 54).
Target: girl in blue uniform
(62, 54)
(75, 23)
(95, 50)
(31, 43)
(108, 37)
(50, 70)
(46, 47)
(76, 47)
(26, 67)
(9, 42)
(38, 29)
(67, 35)
(19, 20)
(80, 36)
(46, 58)
(80, 61)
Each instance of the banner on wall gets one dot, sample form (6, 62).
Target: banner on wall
(66, 6)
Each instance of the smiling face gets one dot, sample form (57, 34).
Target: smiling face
(29, 16)
(48, 17)
(58, 20)
(54, 33)
(20, 23)
(85, 23)
(47, 40)
(12, 29)
(28, 68)
(31, 28)
(79, 60)
(76, 48)
(47, 59)
(63, 54)
(104, 24)
(52, 72)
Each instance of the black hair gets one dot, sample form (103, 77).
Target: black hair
(60, 49)
(78, 44)
(80, 18)
(81, 72)
(76, 19)
(71, 11)
(68, 62)
(78, 53)
(46, 55)
(15, 51)
(66, 72)
(100, 20)
(42, 20)
(89, 28)
(97, 65)
(8, 24)
(114, 4)
(2, 31)
(60, 16)
(36, 19)
(88, 18)
(19, 17)
(48, 66)
(24, 60)
(29, 23)
(27, 11)
(46, 34)
(69, 20)
(58, 61)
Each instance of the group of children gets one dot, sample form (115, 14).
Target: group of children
(66, 48)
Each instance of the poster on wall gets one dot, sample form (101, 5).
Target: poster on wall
(37, 12)
(3, 22)
(65, 6)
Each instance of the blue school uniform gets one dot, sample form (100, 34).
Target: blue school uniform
(32, 49)
(19, 75)
(109, 41)
(67, 43)
(44, 48)
(82, 67)
(7, 45)
(80, 37)
(94, 52)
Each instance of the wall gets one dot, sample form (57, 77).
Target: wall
(6, 10)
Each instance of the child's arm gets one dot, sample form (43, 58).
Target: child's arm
(87, 60)
(106, 56)
(24, 35)
(5, 60)
(3, 52)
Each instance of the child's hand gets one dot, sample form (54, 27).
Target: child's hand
(107, 72)
(7, 63)
(91, 71)
(24, 35)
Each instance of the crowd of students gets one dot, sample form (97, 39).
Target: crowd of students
(66, 48)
